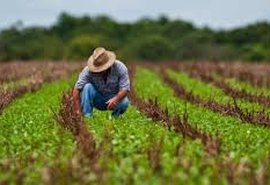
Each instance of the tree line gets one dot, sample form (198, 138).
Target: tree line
(74, 38)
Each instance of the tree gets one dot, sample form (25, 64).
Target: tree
(82, 46)
(256, 52)
(151, 47)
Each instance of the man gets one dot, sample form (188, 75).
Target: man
(103, 84)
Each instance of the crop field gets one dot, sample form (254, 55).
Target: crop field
(188, 122)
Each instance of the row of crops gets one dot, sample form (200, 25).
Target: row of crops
(196, 123)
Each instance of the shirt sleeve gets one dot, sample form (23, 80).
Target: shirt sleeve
(124, 82)
(83, 79)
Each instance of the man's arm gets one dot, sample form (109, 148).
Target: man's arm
(119, 96)
(83, 79)
(76, 100)
(124, 86)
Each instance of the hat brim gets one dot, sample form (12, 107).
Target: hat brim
(108, 64)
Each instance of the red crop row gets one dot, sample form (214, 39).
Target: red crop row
(60, 70)
(13, 71)
(203, 73)
(259, 118)
(179, 124)
(256, 74)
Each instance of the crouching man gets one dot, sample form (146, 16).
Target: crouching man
(103, 84)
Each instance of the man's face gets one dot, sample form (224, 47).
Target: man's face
(103, 73)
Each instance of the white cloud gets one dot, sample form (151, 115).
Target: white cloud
(216, 13)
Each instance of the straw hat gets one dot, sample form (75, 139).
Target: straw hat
(100, 60)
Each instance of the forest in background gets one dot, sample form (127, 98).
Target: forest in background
(74, 38)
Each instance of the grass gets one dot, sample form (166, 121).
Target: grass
(133, 149)
(132, 135)
(13, 84)
(28, 130)
(238, 139)
(240, 85)
(209, 91)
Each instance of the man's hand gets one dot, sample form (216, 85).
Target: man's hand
(112, 102)
(76, 101)
(78, 112)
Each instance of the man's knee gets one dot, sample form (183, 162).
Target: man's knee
(121, 107)
(89, 89)
(123, 104)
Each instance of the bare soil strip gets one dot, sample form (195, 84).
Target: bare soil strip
(179, 124)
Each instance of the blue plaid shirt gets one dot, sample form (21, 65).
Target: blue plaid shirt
(117, 79)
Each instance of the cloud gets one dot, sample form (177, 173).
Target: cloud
(215, 13)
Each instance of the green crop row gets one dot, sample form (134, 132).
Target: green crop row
(13, 84)
(209, 91)
(238, 139)
(28, 130)
(240, 85)
(132, 135)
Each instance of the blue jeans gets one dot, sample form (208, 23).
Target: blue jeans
(91, 98)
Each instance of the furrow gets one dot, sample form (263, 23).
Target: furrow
(179, 124)
(258, 118)
(68, 119)
(205, 76)
(8, 95)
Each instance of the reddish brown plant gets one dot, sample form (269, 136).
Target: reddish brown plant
(180, 124)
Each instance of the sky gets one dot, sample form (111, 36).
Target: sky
(217, 14)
